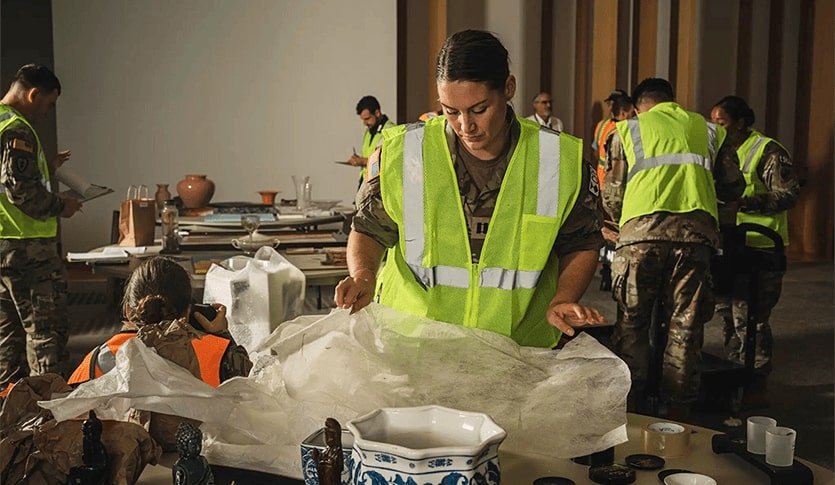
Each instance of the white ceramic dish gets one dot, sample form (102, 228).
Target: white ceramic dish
(248, 245)
(427, 444)
(325, 204)
(688, 479)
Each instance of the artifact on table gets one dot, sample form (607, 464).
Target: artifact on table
(196, 191)
(432, 444)
(161, 195)
(191, 468)
(329, 462)
(268, 196)
(94, 456)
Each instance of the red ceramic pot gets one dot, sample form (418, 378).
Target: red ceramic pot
(195, 191)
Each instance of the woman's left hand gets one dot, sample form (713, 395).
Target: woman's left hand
(566, 316)
(218, 324)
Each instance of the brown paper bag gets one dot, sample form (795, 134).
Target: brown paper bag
(137, 218)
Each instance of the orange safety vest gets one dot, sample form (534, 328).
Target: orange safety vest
(602, 131)
(208, 348)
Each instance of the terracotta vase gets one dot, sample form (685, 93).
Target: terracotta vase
(268, 196)
(196, 191)
(162, 194)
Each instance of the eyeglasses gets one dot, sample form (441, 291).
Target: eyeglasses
(546, 101)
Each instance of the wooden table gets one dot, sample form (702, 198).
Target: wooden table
(317, 275)
(726, 469)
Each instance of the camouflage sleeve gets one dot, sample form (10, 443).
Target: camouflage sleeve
(777, 173)
(581, 229)
(727, 177)
(21, 177)
(614, 183)
(371, 218)
(235, 361)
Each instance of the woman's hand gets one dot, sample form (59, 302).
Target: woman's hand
(219, 324)
(355, 292)
(566, 316)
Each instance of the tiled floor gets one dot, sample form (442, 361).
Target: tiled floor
(800, 388)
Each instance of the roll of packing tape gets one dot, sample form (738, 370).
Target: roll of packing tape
(666, 439)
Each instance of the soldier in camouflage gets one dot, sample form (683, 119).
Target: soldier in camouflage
(664, 252)
(534, 268)
(772, 189)
(33, 288)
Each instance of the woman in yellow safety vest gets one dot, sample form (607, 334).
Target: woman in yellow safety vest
(771, 189)
(487, 220)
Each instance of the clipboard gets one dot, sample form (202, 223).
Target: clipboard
(93, 192)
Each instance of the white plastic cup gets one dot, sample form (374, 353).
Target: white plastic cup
(756, 433)
(779, 446)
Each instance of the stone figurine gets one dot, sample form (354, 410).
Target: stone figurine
(329, 462)
(94, 456)
(191, 468)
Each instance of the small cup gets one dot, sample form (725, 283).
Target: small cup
(779, 446)
(756, 433)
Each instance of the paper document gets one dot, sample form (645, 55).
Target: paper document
(80, 188)
(106, 254)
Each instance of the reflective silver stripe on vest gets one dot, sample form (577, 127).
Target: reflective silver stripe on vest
(549, 176)
(508, 279)
(413, 216)
(413, 207)
(749, 158)
(642, 163)
(105, 360)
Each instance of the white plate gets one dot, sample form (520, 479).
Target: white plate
(688, 479)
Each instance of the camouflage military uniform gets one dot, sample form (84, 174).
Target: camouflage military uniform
(33, 285)
(479, 183)
(172, 340)
(665, 257)
(777, 173)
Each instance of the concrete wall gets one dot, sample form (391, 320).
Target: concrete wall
(249, 93)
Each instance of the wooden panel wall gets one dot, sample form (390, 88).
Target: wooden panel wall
(811, 222)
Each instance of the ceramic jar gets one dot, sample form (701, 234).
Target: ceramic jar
(195, 191)
(162, 194)
(426, 444)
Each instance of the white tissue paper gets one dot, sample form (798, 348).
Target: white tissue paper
(259, 293)
(563, 403)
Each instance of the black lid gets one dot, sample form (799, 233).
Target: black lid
(612, 474)
(553, 481)
(642, 461)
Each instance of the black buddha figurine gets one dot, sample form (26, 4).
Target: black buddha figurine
(191, 468)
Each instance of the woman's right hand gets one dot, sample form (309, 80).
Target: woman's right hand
(356, 292)
(219, 324)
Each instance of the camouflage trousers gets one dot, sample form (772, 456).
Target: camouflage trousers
(734, 313)
(33, 309)
(677, 276)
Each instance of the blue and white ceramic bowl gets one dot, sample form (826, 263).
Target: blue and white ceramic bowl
(427, 444)
(317, 441)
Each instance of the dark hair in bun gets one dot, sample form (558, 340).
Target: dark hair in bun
(737, 109)
(159, 289)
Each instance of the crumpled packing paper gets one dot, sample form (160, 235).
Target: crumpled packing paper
(564, 403)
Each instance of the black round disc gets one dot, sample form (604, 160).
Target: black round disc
(612, 474)
(643, 461)
(553, 481)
